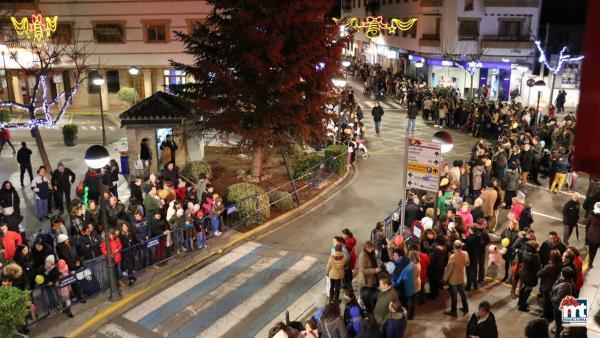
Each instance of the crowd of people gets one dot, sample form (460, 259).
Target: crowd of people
(166, 214)
(456, 227)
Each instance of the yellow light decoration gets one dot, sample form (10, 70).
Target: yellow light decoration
(375, 24)
(37, 29)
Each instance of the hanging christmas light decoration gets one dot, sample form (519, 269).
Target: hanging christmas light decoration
(374, 25)
(562, 58)
(37, 29)
(45, 106)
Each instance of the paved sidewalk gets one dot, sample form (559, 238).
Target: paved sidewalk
(72, 157)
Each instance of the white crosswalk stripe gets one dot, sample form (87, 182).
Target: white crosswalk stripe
(224, 324)
(84, 127)
(384, 104)
(111, 128)
(239, 295)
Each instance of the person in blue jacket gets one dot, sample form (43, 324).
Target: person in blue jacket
(352, 314)
(403, 280)
(395, 324)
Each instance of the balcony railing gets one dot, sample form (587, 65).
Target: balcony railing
(432, 3)
(507, 41)
(511, 3)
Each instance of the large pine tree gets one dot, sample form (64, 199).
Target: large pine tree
(263, 70)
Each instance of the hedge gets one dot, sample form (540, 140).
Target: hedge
(281, 200)
(191, 170)
(246, 207)
(304, 163)
(338, 165)
(14, 306)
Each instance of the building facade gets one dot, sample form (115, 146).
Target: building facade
(495, 35)
(120, 35)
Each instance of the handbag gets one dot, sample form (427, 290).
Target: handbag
(139, 164)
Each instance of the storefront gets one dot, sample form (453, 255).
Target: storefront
(496, 79)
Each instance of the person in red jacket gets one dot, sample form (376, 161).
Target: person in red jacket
(11, 240)
(350, 244)
(424, 261)
(115, 249)
(579, 264)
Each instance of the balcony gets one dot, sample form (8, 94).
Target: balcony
(429, 40)
(511, 3)
(432, 3)
(507, 42)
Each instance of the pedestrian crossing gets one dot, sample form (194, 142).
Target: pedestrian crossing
(97, 128)
(388, 104)
(242, 294)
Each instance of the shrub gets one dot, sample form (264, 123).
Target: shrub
(128, 95)
(5, 115)
(337, 165)
(246, 207)
(281, 200)
(304, 163)
(14, 306)
(191, 170)
(70, 131)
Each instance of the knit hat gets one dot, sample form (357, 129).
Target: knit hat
(62, 238)
(567, 272)
(50, 259)
(597, 208)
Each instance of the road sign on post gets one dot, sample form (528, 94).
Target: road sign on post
(423, 161)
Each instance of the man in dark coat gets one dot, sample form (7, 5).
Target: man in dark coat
(483, 323)
(531, 266)
(553, 243)
(377, 113)
(412, 211)
(527, 159)
(62, 178)
(24, 160)
(570, 217)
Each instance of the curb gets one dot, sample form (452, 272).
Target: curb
(97, 319)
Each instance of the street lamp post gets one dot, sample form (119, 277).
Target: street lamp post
(99, 81)
(97, 157)
(339, 83)
(134, 71)
(3, 49)
(539, 84)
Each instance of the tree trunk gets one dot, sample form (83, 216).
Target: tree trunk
(35, 132)
(258, 154)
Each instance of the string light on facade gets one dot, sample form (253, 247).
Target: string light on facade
(374, 25)
(562, 58)
(37, 29)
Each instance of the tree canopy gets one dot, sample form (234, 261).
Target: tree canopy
(262, 70)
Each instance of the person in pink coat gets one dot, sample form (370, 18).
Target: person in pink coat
(465, 214)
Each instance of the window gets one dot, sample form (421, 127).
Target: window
(7, 34)
(112, 81)
(173, 77)
(193, 24)
(155, 33)
(156, 30)
(468, 5)
(63, 33)
(92, 88)
(509, 28)
(109, 32)
(405, 33)
(468, 30)
(438, 24)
